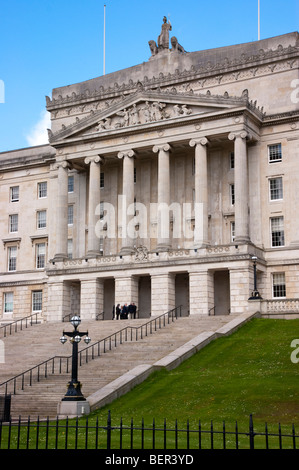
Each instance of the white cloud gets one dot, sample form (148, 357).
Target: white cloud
(38, 134)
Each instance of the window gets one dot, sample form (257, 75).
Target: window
(12, 258)
(70, 215)
(42, 189)
(279, 285)
(37, 300)
(8, 302)
(102, 180)
(193, 165)
(70, 184)
(40, 255)
(135, 175)
(41, 219)
(232, 194)
(101, 210)
(275, 188)
(232, 160)
(277, 231)
(13, 223)
(232, 231)
(14, 194)
(70, 248)
(274, 153)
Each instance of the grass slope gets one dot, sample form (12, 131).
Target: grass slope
(249, 372)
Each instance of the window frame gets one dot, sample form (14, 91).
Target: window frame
(40, 258)
(6, 302)
(279, 286)
(34, 302)
(12, 223)
(40, 190)
(11, 198)
(271, 190)
(11, 258)
(39, 222)
(273, 232)
(276, 160)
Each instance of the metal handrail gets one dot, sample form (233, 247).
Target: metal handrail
(100, 315)
(48, 367)
(16, 322)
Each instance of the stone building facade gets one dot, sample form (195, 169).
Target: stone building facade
(161, 184)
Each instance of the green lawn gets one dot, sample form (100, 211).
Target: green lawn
(247, 373)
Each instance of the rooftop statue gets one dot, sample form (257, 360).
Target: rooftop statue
(163, 40)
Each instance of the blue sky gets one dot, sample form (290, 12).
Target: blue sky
(50, 43)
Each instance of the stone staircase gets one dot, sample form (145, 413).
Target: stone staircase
(38, 343)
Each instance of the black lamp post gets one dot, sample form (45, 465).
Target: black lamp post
(255, 295)
(74, 386)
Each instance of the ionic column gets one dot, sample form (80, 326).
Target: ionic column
(94, 199)
(201, 237)
(241, 186)
(127, 200)
(62, 211)
(163, 241)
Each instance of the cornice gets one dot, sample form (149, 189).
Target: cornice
(178, 77)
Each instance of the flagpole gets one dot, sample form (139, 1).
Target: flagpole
(259, 21)
(104, 52)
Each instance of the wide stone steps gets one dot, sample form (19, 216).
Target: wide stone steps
(38, 343)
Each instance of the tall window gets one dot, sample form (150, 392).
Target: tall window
(70, 184)
(232, 231)
(40, 255)
(14, 194)
(8, 302)
(41, 219)
(37, 300)
(232, 194)
(70, 248)
(232, 160)
(274, 153)
(70, 215)
(42, 189)
(275, 188)
(277, 231)
(279, 285)
(102, 180)
(12, 258)
(13, 223)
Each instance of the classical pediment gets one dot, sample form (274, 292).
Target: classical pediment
(147, 108)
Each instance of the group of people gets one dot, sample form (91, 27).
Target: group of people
(122, 312)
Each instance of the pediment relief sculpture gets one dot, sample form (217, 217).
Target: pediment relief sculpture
(144, 113)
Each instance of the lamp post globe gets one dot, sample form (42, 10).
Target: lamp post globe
(73, 392)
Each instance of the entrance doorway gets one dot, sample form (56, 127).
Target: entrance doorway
(109, 294)
(144, 297)
(182, 292)
(221, 292)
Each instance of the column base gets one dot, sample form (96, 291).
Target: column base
(162, 247)
(92, 254)
(60, 257)
(126, 250)
(72, 409)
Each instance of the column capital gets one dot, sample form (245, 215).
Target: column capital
(200, 140)
(242, 134)
(62, 164)
(165, 147)
(94, 159)
(126, 153)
